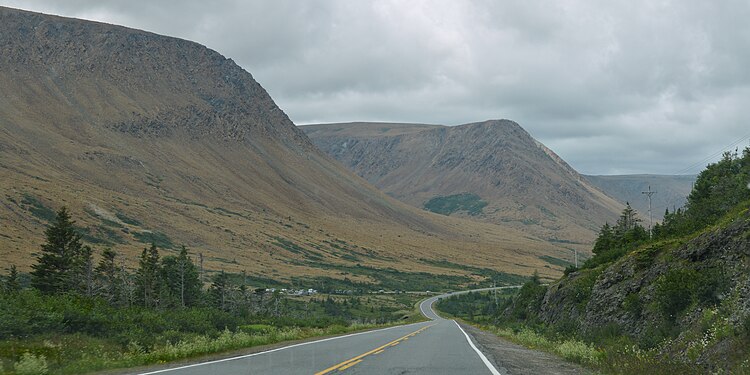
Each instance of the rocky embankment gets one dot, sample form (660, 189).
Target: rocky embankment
(689, 298)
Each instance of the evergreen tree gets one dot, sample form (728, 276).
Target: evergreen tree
(605, 241)
(58, 268)
(82, 271)
(107, 280)
(181, 278)
(148, 277)
(12, 284)
(219, 291)
(627, 221)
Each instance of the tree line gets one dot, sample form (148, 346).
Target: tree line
(66, 266)
(717, 190)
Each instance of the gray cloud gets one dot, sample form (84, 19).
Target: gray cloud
(613, 87)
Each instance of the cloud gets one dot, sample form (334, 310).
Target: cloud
(613, 87)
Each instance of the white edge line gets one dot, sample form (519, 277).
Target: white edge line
(272, 350)
(484, 359)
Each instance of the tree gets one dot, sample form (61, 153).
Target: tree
(106, 276)
(148, 277)
(219, 291)
(181, 279)
(605, 241)
(627, 221)
(62, 265)
(12, 284)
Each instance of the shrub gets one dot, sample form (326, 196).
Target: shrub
(30, 364)
(578, 351)
(674, 292)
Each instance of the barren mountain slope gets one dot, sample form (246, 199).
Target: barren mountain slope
(151, 138)
(523, 184)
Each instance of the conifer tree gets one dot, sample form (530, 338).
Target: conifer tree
(58, 267)
(181, 278)
(148, 277)
(12, 284)
(108, 282)
(219, 290)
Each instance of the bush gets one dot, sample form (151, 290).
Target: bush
(30, 364)
(578, 352)
(674, 292)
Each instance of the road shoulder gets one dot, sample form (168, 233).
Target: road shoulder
(514, 359)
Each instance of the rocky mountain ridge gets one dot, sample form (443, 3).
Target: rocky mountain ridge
(523, 184)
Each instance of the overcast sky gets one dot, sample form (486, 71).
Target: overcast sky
(613, 87)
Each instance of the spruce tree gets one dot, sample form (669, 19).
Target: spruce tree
(181, 278)
(107, 280)
(55, 270)
(219, 291)
(12, 284)
(148, 277)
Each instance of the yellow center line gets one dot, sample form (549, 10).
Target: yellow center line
(342, 368)
(353, 361)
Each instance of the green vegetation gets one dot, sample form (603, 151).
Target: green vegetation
(472, 204)
(671, 302)
(126, 219)
(79, 317)
(37, 208)
(154, 237)
(491, 276)
(555, 261)
(512, 314)
(382, 278)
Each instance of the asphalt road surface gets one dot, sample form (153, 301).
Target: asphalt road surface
(438, 346)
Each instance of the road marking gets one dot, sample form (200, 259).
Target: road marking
(272, 350)
(421, 308)
(353, 361)
(484, 359)
(379, 351)
(349, 365)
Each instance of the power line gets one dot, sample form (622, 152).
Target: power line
(715, 154)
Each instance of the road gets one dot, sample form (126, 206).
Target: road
(438, 346)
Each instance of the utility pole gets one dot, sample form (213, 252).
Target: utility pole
(649, 193)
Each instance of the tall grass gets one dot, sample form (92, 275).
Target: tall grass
(93, 355)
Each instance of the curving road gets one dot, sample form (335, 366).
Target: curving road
(438, 346)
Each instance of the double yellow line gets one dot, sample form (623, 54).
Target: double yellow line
(353, 361)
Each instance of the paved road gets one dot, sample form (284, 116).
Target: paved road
(438, 346)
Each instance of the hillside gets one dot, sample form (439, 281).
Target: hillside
(672, 191)
(491, 171)
(149, 138)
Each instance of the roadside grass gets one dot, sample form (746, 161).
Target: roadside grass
(612, 357)
(96, 356)
(600, 352)
(569, 349)
(80, 353)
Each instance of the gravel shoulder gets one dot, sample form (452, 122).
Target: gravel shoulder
(514, 359)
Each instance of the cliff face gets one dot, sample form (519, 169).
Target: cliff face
(147, 138)
(523, 184)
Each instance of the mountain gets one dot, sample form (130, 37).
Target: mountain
(148, 138)
(491, 171)
(671, 191)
